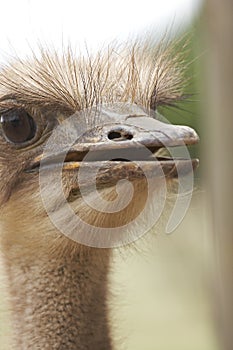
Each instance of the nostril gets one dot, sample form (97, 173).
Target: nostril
(114, 135)
(121, 135)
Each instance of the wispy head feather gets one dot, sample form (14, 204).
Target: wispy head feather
(142, 73)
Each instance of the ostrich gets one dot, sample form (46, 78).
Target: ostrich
(58, 287)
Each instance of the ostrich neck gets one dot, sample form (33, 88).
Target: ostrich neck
(60, 302)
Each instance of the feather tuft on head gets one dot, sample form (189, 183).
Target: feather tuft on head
(142, 73)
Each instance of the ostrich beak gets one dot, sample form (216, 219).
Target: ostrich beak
(124, 147)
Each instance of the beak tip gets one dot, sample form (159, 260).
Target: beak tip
(190, 135)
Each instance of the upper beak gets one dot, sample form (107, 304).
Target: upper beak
(135, 133)
(114, 147)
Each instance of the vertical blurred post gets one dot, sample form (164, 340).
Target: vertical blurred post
(219, 157)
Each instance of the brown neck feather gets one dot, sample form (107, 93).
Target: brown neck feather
(61, 304)
(58, 288)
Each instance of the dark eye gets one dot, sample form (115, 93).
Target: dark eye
(18, 126)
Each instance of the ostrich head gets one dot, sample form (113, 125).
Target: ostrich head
(112, 99)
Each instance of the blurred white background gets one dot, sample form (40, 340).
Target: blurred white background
(25, 22)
